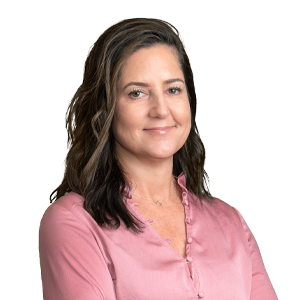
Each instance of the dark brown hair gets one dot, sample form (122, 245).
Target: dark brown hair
(92, 169)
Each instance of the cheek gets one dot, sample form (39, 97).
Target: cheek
(117, 122)
(185, 115)
(186, 121)
(124, 123)
(119, 113)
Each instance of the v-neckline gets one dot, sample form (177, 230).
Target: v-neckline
(141, 217)
(155, 233)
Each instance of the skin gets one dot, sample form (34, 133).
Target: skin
(151, 123)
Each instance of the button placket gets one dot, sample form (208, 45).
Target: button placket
(201, 295)
(190, 266)
(189, 260)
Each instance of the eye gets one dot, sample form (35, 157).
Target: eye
(174, 90)
(136, 93)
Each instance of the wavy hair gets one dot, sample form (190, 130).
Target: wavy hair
(91, 166)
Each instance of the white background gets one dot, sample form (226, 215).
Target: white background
(245, 58)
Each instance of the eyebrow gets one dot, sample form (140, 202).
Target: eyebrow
(146, 85)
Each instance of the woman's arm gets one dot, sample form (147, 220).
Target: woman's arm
(261, 287)
(72, 264)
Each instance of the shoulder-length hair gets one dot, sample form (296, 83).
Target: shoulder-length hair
(91, 166)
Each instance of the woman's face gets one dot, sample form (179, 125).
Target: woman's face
(152, 117)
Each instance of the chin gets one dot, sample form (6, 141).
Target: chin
(162, 154)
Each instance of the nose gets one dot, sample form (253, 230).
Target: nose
(159, 106)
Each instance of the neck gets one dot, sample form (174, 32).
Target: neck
(149, 178)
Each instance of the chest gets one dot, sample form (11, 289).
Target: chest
(168, 223)
(145, 260)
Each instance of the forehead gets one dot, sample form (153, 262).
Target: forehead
(158, 61)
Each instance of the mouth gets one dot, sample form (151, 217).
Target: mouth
(159, 130)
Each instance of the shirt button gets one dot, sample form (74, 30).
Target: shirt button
(190, 240)
(183, 194)
(201, 294)
(189, 259)
(187, 221)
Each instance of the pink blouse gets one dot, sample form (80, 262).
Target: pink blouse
(81, 260)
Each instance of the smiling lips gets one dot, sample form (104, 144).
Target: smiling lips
(159, 130)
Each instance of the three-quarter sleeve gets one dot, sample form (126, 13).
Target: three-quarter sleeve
(72, 265)
(261, 287)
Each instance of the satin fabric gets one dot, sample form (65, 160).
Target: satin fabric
(80, 260)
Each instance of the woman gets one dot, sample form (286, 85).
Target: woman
(133, 217)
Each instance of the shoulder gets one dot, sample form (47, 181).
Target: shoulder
(67, 227)
(217, 210)
(68, 201)
(211, 204)
(65, 205)
(64, 215)
(222, 220)
(223, 209)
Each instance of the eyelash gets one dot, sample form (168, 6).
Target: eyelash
(177, 90)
